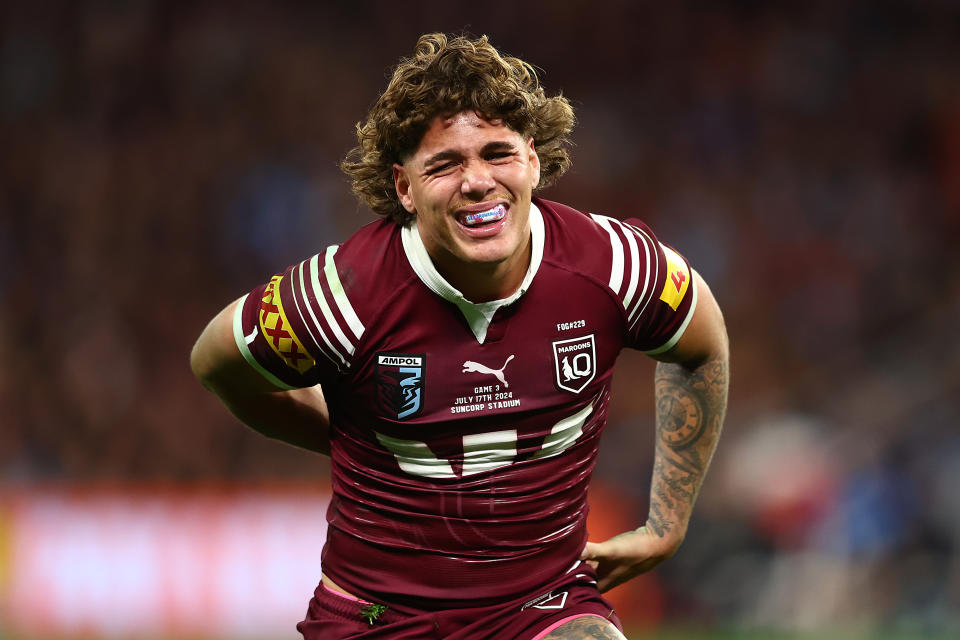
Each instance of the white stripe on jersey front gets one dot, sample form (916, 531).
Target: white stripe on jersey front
(573, 566)
(484, 451)
(338, 360)
(416, 458)
(343, 303)
(564, 433)
(487, 451)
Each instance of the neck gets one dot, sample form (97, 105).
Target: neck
(484, 282)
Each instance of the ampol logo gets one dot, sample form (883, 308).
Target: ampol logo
(400, 383)
(575, 362)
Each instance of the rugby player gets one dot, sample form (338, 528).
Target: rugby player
(454, 359)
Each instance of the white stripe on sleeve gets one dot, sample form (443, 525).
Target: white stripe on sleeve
(644, 299)
(300, 291)
(675, 338)
(616, 269)
(325, 308)
(241, 341)
(339, 295)
(634, 264)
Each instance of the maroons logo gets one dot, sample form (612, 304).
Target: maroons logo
(400, 384)
(575, 363)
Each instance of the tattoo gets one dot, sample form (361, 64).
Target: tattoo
(691, 405)
(586, 628)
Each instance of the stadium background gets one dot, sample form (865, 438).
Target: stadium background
(159, 158)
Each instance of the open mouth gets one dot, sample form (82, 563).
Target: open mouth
(482, 218)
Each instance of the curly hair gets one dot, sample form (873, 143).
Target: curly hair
(444, 77)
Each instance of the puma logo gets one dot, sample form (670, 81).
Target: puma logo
(470, 367)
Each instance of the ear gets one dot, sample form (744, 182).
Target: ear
(402, 184)
(534, 164)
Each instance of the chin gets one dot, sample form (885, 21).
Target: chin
(484, 260)
(486, 255)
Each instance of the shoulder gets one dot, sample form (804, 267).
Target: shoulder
(650, 280)
(570, 233)
(368, 267)
(590, 239)
(618, 254)
(340, 290)
(305, 324)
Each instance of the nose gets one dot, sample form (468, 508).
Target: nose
(477, 179)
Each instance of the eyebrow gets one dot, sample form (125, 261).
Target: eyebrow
(450, 154)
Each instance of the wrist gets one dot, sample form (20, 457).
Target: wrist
(671, 535)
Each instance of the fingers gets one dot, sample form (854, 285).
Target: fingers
(589, 551)
(588, 554)
(622, 557)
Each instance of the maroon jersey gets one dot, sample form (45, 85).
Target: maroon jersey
(464, 435)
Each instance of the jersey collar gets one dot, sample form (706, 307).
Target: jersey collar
(478, 315)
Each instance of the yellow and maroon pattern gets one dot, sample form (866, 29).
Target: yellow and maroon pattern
(278, 332)
(678, 278)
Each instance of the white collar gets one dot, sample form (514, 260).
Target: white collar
(478, 315)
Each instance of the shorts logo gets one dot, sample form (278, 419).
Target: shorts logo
(548, 600)
(400, 383)
(575, 362)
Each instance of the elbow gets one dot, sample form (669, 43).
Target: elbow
(717, 348)
(215, 353)
(201, 365)
(713, 341)
(722, 343)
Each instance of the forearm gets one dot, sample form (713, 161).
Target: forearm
(298, 417)
(691, 403)
(691, 393)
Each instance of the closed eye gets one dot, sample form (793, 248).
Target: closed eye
(440, 168)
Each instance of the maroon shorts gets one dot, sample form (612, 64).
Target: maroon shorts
(334, 616)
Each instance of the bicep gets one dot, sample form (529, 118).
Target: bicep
(217, 362)
(706, 335)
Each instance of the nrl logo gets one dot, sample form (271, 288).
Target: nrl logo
(400, 383)
(574, 362)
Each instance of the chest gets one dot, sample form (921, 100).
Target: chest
(422, 370)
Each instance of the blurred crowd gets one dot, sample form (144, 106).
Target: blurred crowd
(159, 159)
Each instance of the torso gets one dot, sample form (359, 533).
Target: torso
(463, 453)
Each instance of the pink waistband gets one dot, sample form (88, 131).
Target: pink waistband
(556, 624)
(341, 594)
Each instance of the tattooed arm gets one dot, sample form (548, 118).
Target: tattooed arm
(691, 401)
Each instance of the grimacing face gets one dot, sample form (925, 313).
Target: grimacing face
(470, 183)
